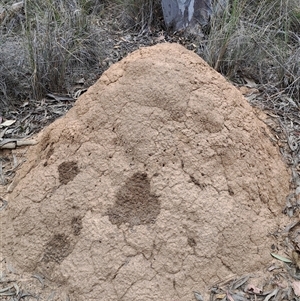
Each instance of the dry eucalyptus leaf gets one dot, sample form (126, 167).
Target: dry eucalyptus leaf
(220, 296)
(253, 289)
(7, 123)
(281, 258)
(60, 97)
(238, 283)
(273, 267)
(272, 294)
(290, 226)
(79, 92)
(250, 83)
(296, 288)
(2, 133)
(290, 100)
(229, 297)
(3, 205)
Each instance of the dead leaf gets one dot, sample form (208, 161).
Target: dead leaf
(296, 288)
(290, 100)
(79, 92)
(238, 283)
(160, 38)
(220, 296)
(229, 297)
(246, 91)
(13, 143)
(250, 288)
(250, 83)
(272, 294)
(60, 97)
(2, 133)
(3, 205)
(281, 258)
(7, 123)
(273, 267)
(289, 227)
(240, 296)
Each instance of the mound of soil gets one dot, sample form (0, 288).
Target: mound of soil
(159, 181)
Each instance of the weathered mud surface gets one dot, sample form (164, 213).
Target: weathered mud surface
(160, 181)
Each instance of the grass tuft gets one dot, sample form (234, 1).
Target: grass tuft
(258, 40)
(59, 39)
(54, 44)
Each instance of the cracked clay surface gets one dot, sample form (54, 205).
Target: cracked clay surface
(158, 182)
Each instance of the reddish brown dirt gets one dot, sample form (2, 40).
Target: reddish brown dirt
(160, 181)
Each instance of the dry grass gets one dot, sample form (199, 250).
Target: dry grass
(259, 40)
(47, 46)
(60, 39)
(140, 14)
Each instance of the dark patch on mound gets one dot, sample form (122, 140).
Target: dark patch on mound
(76, 225)
(57, 249)
(134, 203)
(67, 171)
